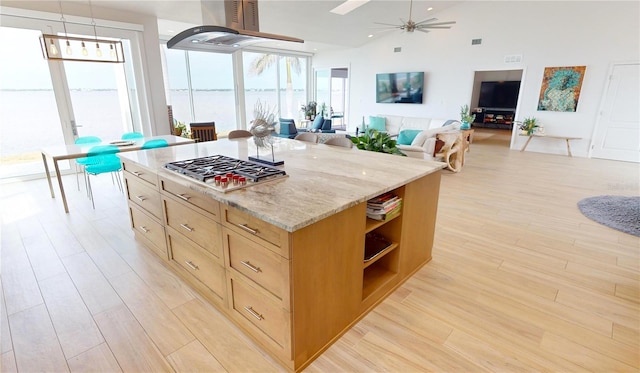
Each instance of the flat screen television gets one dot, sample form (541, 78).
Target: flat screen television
(399, 88)
(499, 95)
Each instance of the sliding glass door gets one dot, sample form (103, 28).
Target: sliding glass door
(29, 117)
(50, 103)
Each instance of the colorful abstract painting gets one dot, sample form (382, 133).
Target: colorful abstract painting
(560, 89)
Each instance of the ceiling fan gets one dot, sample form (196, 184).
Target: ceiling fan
(422, 26)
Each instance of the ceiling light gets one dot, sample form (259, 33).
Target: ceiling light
(348, 6)
(370, 36)
(51, 45)
(429, 8)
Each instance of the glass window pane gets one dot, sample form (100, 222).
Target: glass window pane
(177, 84)
(293, 86)
(27, 101)
(213, 89)
(100, 98)
(260, 82)
(323, 81)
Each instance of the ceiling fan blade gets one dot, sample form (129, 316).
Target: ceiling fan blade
(439, 24)
(427, 20)
(422, 30)
(432, 27)
(386, 24)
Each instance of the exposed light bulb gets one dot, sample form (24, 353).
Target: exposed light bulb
(69, 50)
(113, 51)
(98, 51)
(85, 52)
(52, 48)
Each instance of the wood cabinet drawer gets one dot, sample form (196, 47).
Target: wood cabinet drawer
(252, 227)
(264, 267)
(140, 172)
(193, 198)
(261, 312)
(147, 227)
(143, 195)
(198, 228)
(197, 262)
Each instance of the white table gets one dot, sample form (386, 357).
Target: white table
(65, 152)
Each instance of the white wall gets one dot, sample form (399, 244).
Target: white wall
(545, 33)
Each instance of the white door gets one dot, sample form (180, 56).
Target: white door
(617, 133)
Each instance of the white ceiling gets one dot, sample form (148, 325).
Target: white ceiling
(305, 19)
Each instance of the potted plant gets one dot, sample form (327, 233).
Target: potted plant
(180, 129)
(528, 126)
(466, 117)
(376, 141)
(310, 108)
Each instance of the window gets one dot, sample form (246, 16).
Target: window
(212, 86)
(276, 80)
(200, 86)
(176, 83)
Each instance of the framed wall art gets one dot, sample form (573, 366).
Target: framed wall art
(560, 88)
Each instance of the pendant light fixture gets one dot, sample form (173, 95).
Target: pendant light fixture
(80, 48)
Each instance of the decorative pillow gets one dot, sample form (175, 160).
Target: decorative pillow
(377, 123)
(406, 137)
(317, 122)
(424, 135)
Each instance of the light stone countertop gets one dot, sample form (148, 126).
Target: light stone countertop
(323, 180)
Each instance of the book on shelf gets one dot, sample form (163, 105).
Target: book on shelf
(374, 245)
(385, 215)
(384, 209)
(382, 200)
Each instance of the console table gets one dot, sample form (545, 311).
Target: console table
(565, 138)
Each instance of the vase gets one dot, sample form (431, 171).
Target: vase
(177, 131)
(465, 125)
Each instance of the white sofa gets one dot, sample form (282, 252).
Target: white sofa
(423, 145)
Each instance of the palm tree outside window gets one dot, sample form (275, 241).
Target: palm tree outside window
(278, 80)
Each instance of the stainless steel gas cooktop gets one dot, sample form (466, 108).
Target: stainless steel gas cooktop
(224, 173)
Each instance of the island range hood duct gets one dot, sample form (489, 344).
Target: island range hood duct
(241, 29)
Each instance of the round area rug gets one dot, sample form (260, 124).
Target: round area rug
(617, 212)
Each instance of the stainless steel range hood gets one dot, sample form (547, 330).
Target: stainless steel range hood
(241, 29)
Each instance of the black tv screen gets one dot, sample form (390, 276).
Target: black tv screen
(499, 95)
(403, 88)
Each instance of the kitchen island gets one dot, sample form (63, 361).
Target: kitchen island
(284, 259)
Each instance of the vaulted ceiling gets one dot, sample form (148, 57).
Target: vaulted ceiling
(305, 19)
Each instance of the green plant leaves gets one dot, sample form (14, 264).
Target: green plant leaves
(376, 141)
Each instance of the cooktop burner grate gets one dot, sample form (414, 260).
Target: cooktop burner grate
(225, 173)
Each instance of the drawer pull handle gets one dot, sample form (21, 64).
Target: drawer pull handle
(186, 227)
(246, 228)
(183, 197)
(138, 174)
(141, 198)
(254, 313)
(251, 267)
(193, 266)
(142, 228)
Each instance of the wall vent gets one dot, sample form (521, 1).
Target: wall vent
(476, 41)
(513, 58)
(397, 50)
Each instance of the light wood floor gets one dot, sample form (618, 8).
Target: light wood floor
(519, 281)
